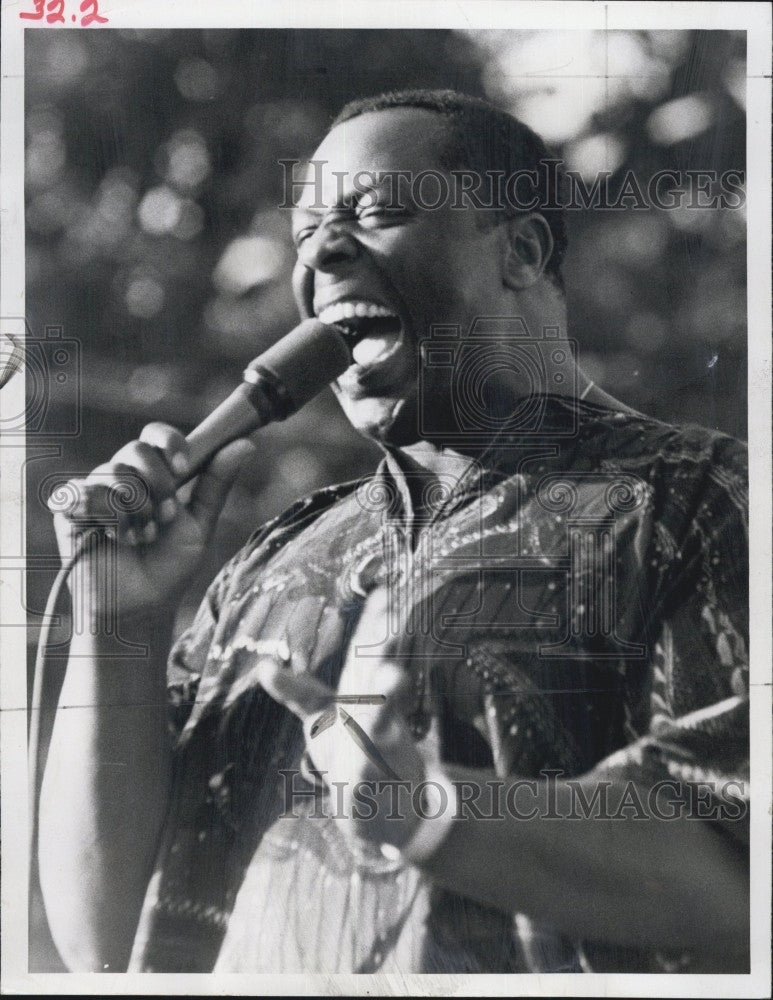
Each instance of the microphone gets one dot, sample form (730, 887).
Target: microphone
(275, 385)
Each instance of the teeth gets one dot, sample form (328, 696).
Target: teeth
(348, 310)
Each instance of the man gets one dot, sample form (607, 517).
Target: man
(533, 613)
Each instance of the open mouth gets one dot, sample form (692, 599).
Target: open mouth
(373, 332)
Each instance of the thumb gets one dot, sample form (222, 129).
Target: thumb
(214, 484)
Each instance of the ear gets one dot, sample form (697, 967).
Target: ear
(529, 248)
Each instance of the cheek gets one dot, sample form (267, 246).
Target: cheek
(303, 289)
(425, 276)
(443, 270)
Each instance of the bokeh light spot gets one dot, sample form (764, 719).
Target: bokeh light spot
(594, 154)
(735, 81)
(681, 119)
(67, 56)
(149, 384)
(144, 297)
(249, 261)
(160, 210)
(197, 80)
(188, 162)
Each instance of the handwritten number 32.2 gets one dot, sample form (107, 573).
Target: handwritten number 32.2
(54, 12)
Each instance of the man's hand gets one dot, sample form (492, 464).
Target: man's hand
(359, 734)
(160, 534)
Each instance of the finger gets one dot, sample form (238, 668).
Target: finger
(367, 746)
(304, 695)
(111, 497)
(214, 484)
(118, 496)
(381, 624)
(69, 533)
(80, 504)
(392, 680)
(77, 498)
(368, 651)
(150, 464)
(389, 681)
(385, 604)
(172, 445)
(144, 488)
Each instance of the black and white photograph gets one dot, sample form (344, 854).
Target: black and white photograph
(385, 546)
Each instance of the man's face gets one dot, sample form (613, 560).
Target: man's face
(385, 269)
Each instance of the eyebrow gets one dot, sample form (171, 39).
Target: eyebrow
(382, 180)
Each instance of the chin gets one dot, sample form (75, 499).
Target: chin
(386, 421)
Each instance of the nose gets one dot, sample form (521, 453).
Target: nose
(328, 247)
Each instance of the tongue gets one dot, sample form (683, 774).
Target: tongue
(371, 349)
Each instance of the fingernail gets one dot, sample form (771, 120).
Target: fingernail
(130, 537)
(150, 532)
(167, 510)
(179, 463)
(390, 852)
(266, 670)
(388, 674)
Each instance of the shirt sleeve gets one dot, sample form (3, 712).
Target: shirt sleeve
(694, 730)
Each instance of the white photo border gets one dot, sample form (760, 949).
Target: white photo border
(755, 19)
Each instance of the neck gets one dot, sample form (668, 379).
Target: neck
(434, 458)
(437, 457)
(544, 305)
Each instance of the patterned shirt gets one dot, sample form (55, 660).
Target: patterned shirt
(579, 604)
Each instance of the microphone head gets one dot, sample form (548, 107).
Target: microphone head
(305, 361)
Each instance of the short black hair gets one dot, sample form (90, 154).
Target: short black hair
(484, 138)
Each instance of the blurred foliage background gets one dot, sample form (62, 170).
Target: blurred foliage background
(154, 236)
